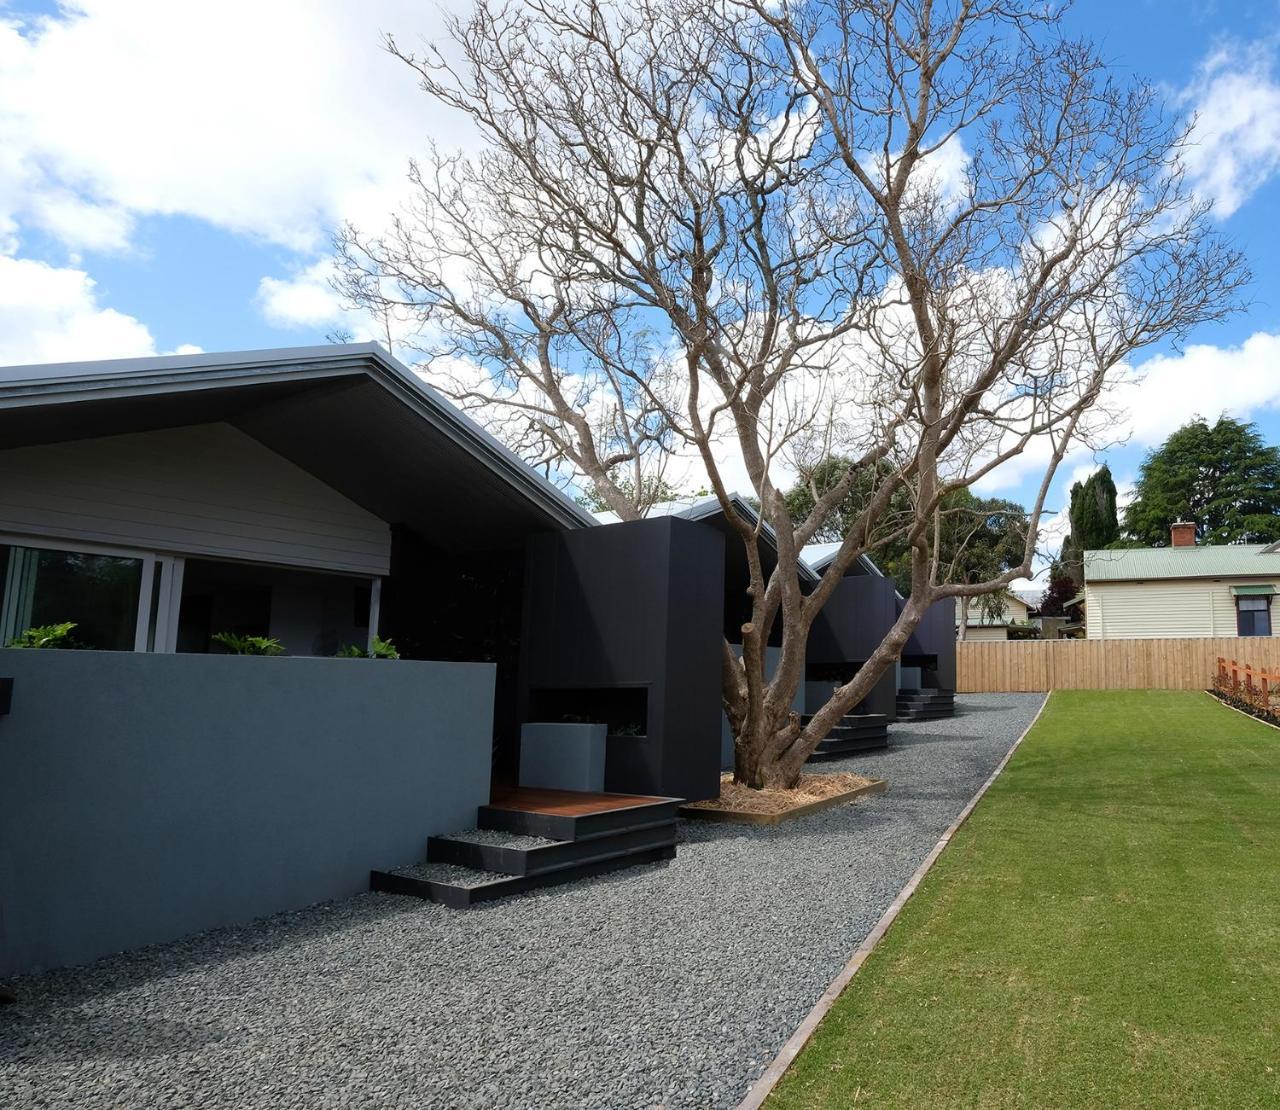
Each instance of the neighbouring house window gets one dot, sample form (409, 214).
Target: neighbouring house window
(1253, 616)
(100, 593)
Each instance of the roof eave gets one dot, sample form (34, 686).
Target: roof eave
(187, 373)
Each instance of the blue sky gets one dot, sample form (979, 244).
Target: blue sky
(169, 176)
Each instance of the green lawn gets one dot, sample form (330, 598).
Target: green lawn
(1104, 931)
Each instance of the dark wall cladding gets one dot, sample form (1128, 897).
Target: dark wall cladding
(933, 644)
(143, 797)
(638, 604)
(855, 619)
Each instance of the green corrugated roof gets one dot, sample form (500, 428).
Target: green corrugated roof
(1220, 561)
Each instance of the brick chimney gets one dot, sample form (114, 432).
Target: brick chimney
(1182, 533)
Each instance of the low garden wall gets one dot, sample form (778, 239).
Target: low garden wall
(143, 797)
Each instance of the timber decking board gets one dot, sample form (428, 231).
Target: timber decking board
(567, 803)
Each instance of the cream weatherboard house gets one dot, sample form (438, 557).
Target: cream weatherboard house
(1183, 590)
(983, 624)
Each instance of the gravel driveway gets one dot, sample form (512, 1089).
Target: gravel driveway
(668, 986)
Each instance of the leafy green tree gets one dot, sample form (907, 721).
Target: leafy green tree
(978, 537)
(1224, 477)
(1094, 524)
(654, 490)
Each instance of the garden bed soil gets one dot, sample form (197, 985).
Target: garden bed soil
(741, 805)
(1243, 705)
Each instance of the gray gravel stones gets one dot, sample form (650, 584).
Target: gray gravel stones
(499, 839)
(454, 873)
(669, 985)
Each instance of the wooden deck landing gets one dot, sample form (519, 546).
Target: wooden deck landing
(566, 803)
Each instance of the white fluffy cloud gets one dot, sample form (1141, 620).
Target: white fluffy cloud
(1168, 390)
(1236, 141)
(306, 299)
(273, 120)
(49, 314)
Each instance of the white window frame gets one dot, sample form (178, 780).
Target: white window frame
(170, 585)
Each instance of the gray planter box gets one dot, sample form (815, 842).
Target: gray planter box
(562, 755)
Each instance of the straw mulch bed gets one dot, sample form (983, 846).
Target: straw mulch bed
(736, 798)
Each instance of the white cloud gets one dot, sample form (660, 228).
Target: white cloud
(304, 300)
(48, 314)
(81, 224)
(1166, 391)
(273, 120)
(1236, 99)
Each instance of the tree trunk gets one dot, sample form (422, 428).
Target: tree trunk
(755, 766)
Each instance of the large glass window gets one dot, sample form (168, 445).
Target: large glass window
(1253, 616)
(99, 593)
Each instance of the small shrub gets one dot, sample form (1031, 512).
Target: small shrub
(46, 636)
(248, 645)
(381, 649)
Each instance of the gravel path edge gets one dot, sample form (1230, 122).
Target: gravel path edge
(772, 1075)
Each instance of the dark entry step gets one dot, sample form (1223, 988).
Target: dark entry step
(460, 887)
(527, 838)
(856, 732)
(524, 855)
(925, 705)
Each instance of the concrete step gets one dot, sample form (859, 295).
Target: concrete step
(460, 887)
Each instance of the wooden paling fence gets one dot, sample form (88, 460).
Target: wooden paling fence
(1028, 665)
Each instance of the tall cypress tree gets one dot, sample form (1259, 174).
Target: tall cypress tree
(1094, 523)
(1224, 477)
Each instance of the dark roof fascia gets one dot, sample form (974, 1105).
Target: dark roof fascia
(124, 378)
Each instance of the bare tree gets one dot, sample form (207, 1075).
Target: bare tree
(918, 235)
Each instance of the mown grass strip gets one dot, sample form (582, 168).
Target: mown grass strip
(1104, 931)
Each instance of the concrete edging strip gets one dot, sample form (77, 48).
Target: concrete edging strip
(771, 1075)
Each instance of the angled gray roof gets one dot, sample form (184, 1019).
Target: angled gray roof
(814, 557)
(819, 555)
(1210, 561)
(709, 508)
(350, 413)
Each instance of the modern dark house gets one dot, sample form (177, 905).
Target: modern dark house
(559, 677)
(861, 611)
(151, 786)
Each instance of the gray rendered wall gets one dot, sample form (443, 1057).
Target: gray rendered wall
(143, 797)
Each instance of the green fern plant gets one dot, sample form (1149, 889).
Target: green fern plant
(46, 636)
(248, 645)
(380, 649)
